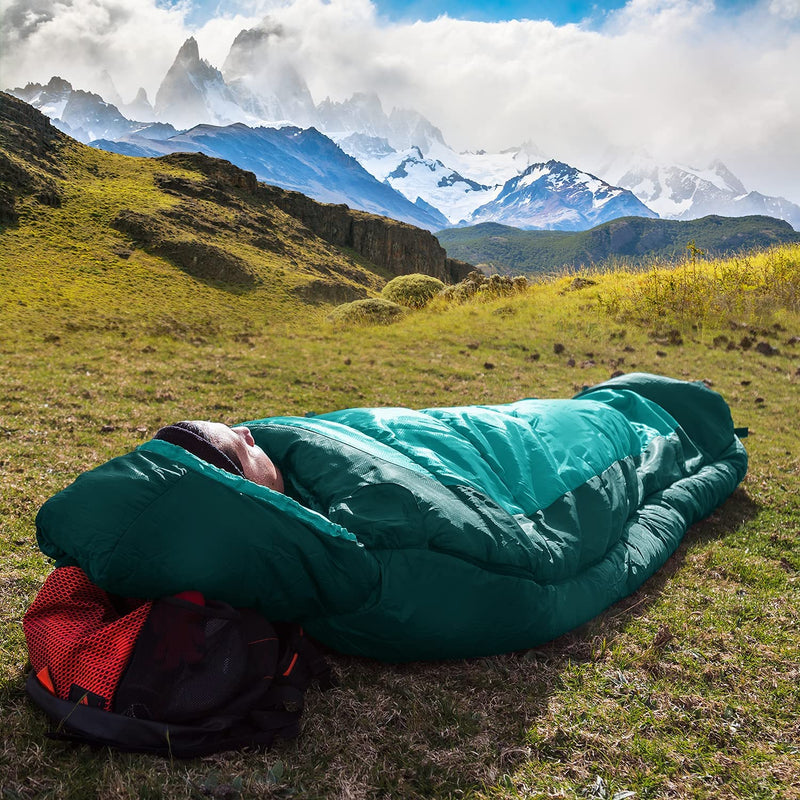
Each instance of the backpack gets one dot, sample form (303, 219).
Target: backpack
(180, 676)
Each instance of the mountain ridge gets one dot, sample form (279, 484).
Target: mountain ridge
(261, 83)
(631, 240)
(187, 221)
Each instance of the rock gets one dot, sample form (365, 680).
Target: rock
(580, 283)
(766, 349)
(570, 362)
(396, 246)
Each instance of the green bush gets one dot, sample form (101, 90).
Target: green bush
(370, 311)
(412, 291)
(479, 286)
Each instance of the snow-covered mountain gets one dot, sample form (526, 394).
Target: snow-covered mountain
(682, 192)
(263, 80)
(83, 115)
(422, 179)
(259, 85)
(302, 160)
(363, 114)
(556, 196)
(193, 92)
(454, 183)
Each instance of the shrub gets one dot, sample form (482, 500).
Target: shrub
(370, 311)
(412, 291)
(478, 285)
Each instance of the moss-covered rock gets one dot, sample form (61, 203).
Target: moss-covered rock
(370, 311)
(412, 291)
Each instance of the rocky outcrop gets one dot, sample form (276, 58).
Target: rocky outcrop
(34, 141)
(200, 259)
(400, 248)
(395, 246)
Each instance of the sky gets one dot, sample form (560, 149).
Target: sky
(681, 81)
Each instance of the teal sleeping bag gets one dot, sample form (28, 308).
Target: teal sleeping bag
(404, 535)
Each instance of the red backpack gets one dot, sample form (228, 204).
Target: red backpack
(182, 676)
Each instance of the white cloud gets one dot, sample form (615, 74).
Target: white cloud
(676, 78)
(785, 9)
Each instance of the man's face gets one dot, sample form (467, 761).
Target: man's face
(256, 464)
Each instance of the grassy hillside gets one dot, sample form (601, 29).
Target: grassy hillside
(166, 227)
(631, 241)
(689, 688)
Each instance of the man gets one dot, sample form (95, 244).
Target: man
(231, 449)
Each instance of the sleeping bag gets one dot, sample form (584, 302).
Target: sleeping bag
(404, 535)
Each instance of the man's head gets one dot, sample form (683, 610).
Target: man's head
(231, 449)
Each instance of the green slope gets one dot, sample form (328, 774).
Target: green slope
(632, 240)
(181, 237)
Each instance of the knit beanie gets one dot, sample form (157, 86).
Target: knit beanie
(192, 438)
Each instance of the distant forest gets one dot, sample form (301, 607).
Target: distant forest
(630, 241)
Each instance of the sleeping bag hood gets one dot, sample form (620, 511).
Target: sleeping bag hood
(404, 535)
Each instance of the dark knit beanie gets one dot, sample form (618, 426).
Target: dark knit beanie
(192, 438)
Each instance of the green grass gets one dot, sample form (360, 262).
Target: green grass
(687, 689)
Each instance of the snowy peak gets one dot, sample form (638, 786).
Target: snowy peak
(51, 99)
(83, 115)
(428, 182)
(553, 195)
(363, 113)
(139, 108)
(684, 192)
(263, 79)
(194, 92)
(411, 129)
(672, 190)
(362, 146)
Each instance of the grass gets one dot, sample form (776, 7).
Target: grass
(687, 689)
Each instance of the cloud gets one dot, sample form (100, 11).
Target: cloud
(680, 79)
(77, 39)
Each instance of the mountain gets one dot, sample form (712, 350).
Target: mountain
(423, 180)
(556, 196)
(292, 158)
(82, 115)
(193, 92)
(444, 178)
(264, 81)
(120, 229)
(363, 114)
(139, 108)
(681, 192)
(634, 240)
(261, 84)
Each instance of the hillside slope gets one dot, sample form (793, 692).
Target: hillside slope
(295, 159)
(146, 231)
(504, 249)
